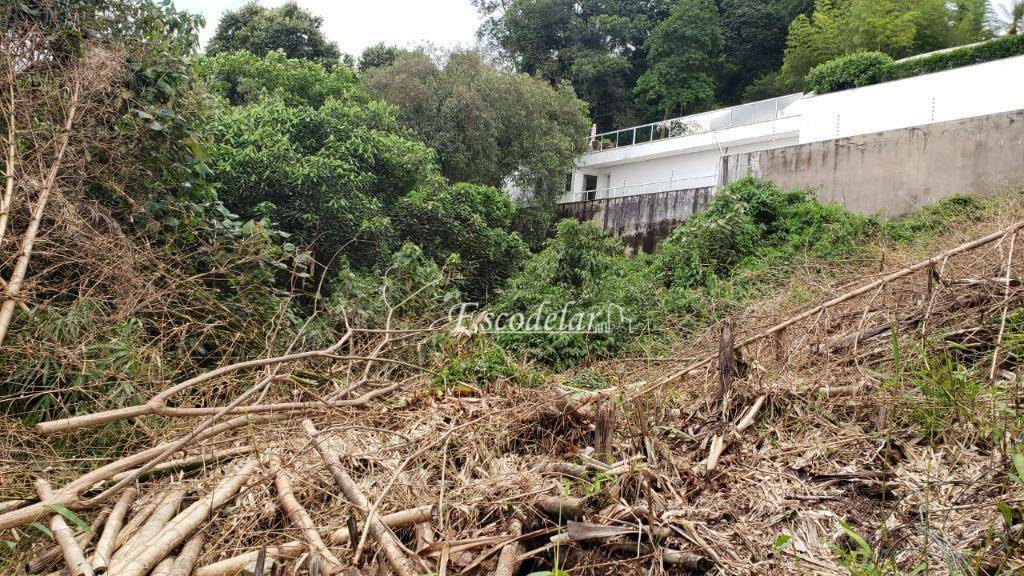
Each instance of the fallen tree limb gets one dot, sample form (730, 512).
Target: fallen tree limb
(290, 550)
(300, 517)
(183, 525)
(71, 495)
(105, 546)
(720, 442)
(159, 401)
(834, 302)
(387, 540)
(74, 558)
(189, 463)
(188, 556)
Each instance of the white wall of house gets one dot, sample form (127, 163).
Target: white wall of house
(978, 90)
(970, 91)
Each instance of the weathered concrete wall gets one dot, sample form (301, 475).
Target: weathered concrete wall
(898, 171)
(643, 220)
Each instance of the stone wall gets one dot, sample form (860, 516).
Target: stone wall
(898, 171)
(642, 221)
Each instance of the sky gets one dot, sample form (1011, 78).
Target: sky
(356, 24)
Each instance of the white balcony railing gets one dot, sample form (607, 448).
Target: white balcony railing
(742, 115)
(647, 188)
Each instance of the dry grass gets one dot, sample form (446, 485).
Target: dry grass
(912, 456)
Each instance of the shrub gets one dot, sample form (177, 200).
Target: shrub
(845, 72)
(865, 68)
(744, 243)
(999, 48)
(583, 271)
(471, 221)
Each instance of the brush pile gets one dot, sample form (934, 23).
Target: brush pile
(874, 430)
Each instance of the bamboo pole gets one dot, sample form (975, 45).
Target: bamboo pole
(387, 540)
(8, 199)
(74, 558)
(300, 517)
(139, 543)
(48, 557)
(105, 546)
(183, 525)
(13, 289)
(289, 550)
(71, 495)
(188, 556)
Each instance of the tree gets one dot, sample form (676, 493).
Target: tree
(488, 126)
(1010, 19)
(683, 52)
(898, 28)
(378, 56)
(287, 28)
(598, 46)
(754, 41)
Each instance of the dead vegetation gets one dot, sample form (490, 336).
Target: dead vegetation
(861, 426)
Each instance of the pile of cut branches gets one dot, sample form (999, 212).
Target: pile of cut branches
(877, 428)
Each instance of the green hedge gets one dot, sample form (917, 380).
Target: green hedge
(850, 71)
(1004, 47)
(865, 68)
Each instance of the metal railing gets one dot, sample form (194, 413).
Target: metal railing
(647, 188)
(742, 115)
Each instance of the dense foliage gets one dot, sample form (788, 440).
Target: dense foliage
(309, 149)
(898, 28)
(642, 60)
(864, 68)
(261, 30)
(488, 126)
(682, 56)
(859, 69)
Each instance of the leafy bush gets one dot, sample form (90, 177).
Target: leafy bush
(1003, 47)
(865, 68)
(753, 218)
(584, 272)
(471, 221)
(485, 365)
(845, 72)
(934, 219)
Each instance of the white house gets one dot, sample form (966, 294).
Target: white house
(686, 153)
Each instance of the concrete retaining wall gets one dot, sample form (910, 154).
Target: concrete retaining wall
(898, 171)
(641, 221)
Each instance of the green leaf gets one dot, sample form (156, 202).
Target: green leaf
(861, 542)
(41, 528)
(1018, 463)
(70, 516)
(782, 541)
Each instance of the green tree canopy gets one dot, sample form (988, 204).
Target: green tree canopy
(683, 52)
(488, 126)
(898, 28)
(378, 56)
(287, 28)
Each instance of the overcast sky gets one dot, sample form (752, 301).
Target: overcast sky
(356, 24)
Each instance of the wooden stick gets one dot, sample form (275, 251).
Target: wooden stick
(12, 155)
(189, 462)
(164, 567)
(105, 546)
(565, 507)
(188, 556)
(1006, 305)
(834, 302)
(138, 544)
(387, 540)
(183, 525)
(71, 495)
(727, 368)
(340, 537)
(74, 558)
(507, 560)
(46, 558)
(159, 401)
(13, 290)
(300, 517)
